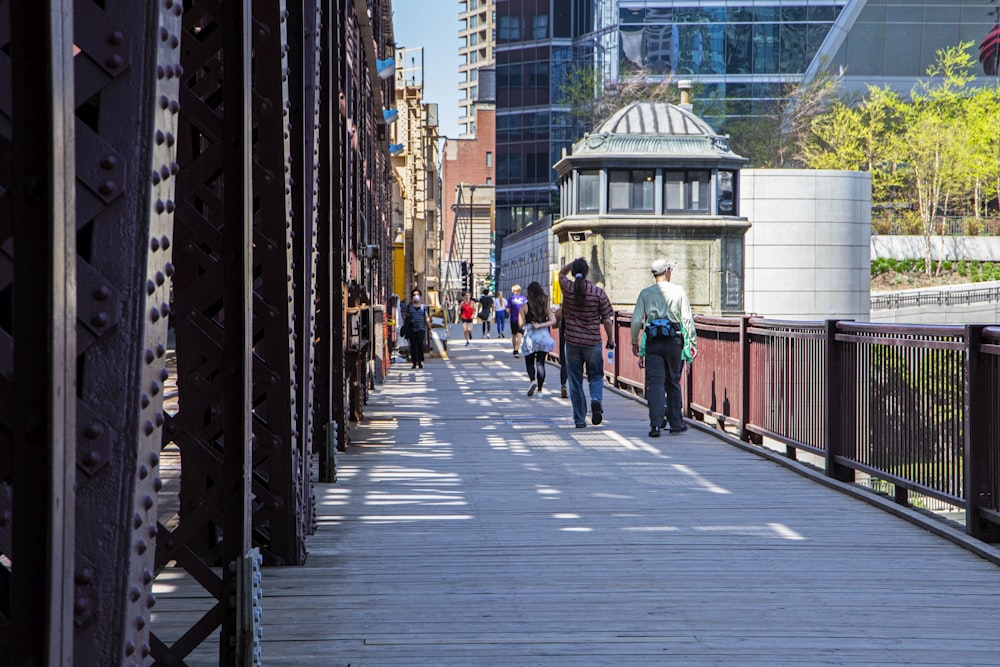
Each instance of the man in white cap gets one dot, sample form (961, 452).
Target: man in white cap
(663, 312)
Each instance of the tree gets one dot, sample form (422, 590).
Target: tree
(592, 99)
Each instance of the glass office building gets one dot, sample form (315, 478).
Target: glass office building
(739, 52)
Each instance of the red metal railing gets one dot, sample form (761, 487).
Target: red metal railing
(913, 405)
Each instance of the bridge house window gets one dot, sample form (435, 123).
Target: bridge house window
(631, 190)
(687, 191)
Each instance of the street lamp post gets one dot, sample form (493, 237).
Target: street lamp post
(472, 232)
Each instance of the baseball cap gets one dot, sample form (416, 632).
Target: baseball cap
(661, 266)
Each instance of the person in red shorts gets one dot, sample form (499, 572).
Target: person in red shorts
(467, 313)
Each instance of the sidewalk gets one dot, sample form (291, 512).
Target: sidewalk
(474, 526)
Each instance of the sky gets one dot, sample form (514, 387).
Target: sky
(433, 25)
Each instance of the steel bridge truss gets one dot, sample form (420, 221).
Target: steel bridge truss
(186, 318)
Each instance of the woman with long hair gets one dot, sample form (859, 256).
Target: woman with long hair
(585, 308)
(536, 315)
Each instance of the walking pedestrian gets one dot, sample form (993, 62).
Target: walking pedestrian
(663, 313)
(585, 308)
(515, 303)
(418, 325)
(500, 312)
(466, 313)
(535, 320)
(485, 312)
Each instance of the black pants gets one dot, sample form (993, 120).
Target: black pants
(663, 373)
(562, 354)
(535, 364)
(417, 346)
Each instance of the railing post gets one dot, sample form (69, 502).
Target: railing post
(833, 406)
(744, 415)
(976, 404)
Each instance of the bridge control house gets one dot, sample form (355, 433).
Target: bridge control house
(654, 180)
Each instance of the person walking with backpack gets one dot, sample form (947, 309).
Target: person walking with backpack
(418, 326)
(486, 312)
(663, 314)
(585, 308)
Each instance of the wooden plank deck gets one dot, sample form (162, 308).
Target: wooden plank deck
(474, 526)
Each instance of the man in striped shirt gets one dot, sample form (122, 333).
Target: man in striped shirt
(585, 307)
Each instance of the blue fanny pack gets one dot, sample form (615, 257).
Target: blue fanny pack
(660, 329)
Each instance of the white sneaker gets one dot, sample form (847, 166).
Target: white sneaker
(532, 388)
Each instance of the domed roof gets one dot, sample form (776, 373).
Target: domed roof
(655, 118)
(648, 130)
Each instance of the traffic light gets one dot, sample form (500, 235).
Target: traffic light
(465, 268)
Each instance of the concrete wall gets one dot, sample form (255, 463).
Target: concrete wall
(981, 248)
(808, 252)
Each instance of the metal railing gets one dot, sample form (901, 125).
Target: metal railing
(915, 406)
(957, 297)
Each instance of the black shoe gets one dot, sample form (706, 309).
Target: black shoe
(581, 426)
(420, 365)
(654, 432)
(680, 429)
(596, 415)
(413, 367)
(663, 424)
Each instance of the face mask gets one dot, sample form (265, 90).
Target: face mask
(416, 298)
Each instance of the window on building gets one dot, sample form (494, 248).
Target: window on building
(540, 26)
(538, 75)
(509, 168)
(489, 158)
(538, 166)
(473, 39)
(509, 29)
(473, 21)
(727, 193)
(631, 190)
(509, 76)
(473, 57)
(589, 193)
(686, 191)
(489, 180)
(473, 92)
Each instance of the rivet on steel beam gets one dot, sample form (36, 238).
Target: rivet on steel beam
(164, 34)
(99, 320)
(160, 278)
(101, 293)
(150, 287)
(147, 501)
(140, 622)
(174, 168)
(129, 647)
(150, 600)
(159, 207)
(154, 388)
(148, 427)
(116, 37)
(143, 471)
(91, 458)
(114, 62)
(157, 482)
(168, 268)
(109, 162)
(149, 356)
(84, 576)
(160, 72)
(174, 42)
(164, 102)
(170, 206)
(154, 315)
(153, 531)
(154, 244)
(144, 401)
(174, 107)
(160, 351)
(108, 188)
(164, 242)
(156, 177)
(147, 576)
(141, 546)
(164, 373)
(165, 172)
(170, 139)
(136, 521)
(159, 137)
(93, 430)
(134, 594)
(178, 70)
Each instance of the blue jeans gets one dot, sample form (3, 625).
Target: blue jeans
(577, 357)
(501, 320)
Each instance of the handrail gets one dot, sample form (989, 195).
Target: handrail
(957, 297)
(916, 406)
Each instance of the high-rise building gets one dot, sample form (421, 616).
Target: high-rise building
(738, 52)
(477, 38)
